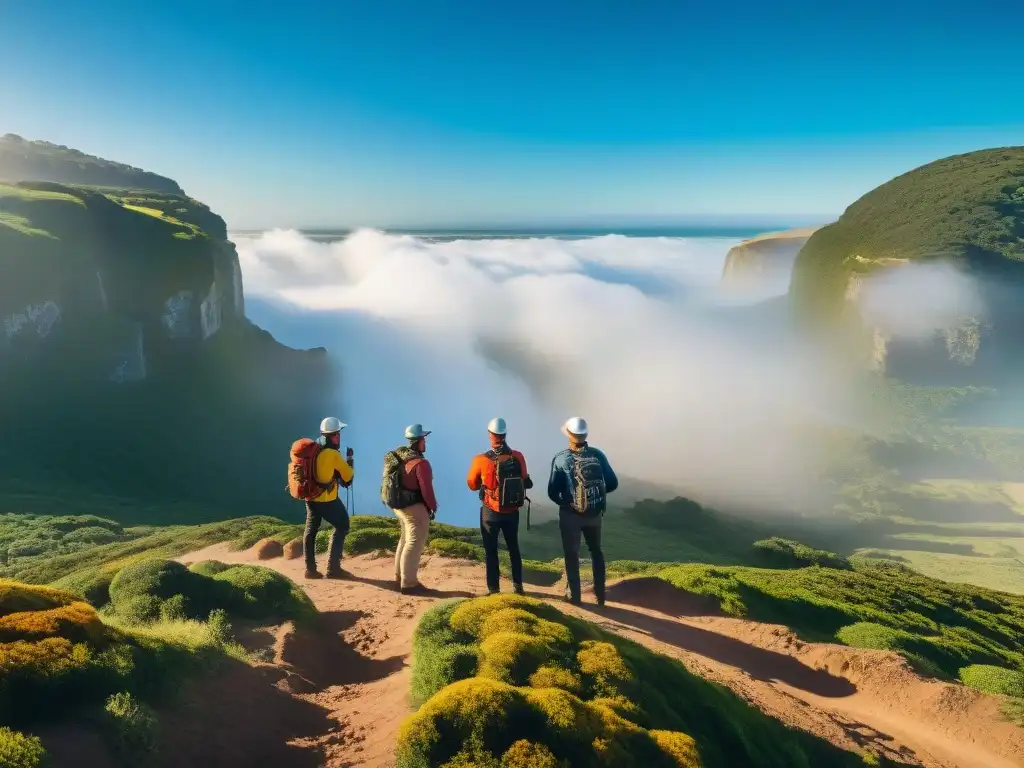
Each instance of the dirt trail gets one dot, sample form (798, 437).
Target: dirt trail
(353, 672)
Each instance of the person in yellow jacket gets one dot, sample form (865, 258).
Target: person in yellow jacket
(331, 471)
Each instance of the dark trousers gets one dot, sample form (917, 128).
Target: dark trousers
(333, 512)
(572, 527)
(491, 524)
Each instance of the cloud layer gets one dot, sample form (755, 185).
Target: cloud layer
(628, 332)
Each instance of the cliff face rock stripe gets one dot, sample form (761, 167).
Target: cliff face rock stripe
(128, 273)
(764, 264)
(35, 319)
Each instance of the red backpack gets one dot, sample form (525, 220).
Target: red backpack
(302, 482)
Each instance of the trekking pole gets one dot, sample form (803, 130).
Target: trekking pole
(528, 505)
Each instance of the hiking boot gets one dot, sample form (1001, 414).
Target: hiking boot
(600, 601)
(338, 573)
(313, 573)
(573, 600)
(518, 589)
(418, 591)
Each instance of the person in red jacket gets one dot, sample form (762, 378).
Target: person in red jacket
(417, 480)
(501, 478)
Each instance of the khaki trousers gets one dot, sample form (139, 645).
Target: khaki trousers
(415, 522)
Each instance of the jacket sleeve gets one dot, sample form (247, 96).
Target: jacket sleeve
(475, 477)
(527, 480)
(611, 482)
(555, 482)
(340, 468)
(425, 479)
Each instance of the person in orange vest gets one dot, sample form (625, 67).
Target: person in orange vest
(501, 479)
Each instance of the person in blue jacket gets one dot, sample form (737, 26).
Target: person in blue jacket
(581, 479)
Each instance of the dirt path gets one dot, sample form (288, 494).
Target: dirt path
(354, 671)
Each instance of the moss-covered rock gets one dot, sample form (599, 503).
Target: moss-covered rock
(554, 691)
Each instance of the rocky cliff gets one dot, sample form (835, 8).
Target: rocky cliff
(42, 161)
(122, 283)
(763, 265)
(950, 236)
(124, 343)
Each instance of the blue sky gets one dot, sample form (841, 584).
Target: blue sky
(475, 113)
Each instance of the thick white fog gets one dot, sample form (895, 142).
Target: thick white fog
(629, 333)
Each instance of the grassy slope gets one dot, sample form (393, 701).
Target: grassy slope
(508, 680)
(966, 206)
(942, 626)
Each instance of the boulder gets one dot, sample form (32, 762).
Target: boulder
(268, 549)
(293, 549)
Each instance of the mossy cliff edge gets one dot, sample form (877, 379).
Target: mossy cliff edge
(123, 333)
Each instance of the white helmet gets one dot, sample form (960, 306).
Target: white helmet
(331, 426)
(415, 432)
(575, 427)
(497, 426)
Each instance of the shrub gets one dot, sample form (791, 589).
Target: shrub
(865, 634)
(550, 690)
(785, 553)
(985, 677)
(257, 592)
(130, 728)
(92, 584)
(208, 567)
(20, 751)
(366, 540)
(174, 608)
(154, 589)
(454, 548)
(160, 579)
(92, 535)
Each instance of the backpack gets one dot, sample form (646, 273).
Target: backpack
(588, 490)
(510, 490)
(392, 492)
(302, 482)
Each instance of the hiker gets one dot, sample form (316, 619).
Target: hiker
(320, 491)
(581, 479)
(501, 478)
(407, 487)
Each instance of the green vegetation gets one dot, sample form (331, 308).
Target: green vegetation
(58, 655)
(784, 553)
(43, 161)
(131, 728)
(20, 751)
(968, 207)
(939, 627)
(135, 268)
(990, 679)
(510, 681)
(154, 589)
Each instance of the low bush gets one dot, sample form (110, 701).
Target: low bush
(365, 540)
(258, 593)
(208, 567)
(456, 548)
(785, 553)
(57, 654)
(985, 677)
(163, 589)
(510, 681)
(130, 728)
(91, 584)
(20, 751)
